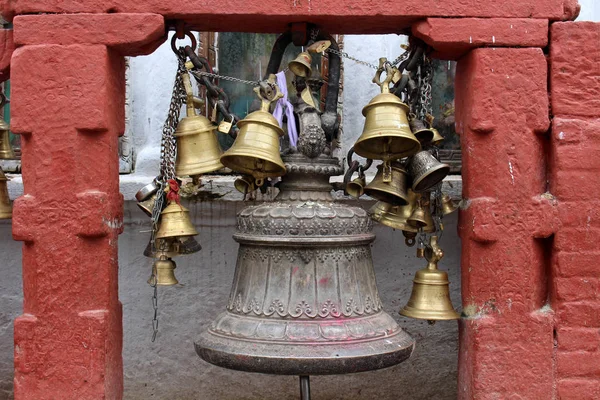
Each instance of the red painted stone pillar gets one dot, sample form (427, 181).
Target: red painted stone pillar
(506, 337)
(68, 105)
(575, 165)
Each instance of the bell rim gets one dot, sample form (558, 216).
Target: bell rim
(417, 313)
(283, 358)
(363, 152)
(235, 166)
(380, 195)
(424, 141)
(415, 186)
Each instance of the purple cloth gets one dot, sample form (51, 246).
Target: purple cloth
(284, 105)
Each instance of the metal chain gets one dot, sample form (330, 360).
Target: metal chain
(349, 57)
(197, 74)
(168, 153)
(168, 145)
(424, 106)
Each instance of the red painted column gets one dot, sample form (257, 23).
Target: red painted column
(506, 338)
(575, 164)
(68, 95)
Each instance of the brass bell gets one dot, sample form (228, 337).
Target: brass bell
(426, 171)
(448, 205)
(430, 297)
(5, 203)
(356, 188)
(6, 151)
(421, 215)
(179, 246)
(421, 132)
(393, 192)
(300, 66)
(437, 137)
(147, 206)
(386, 134)
(175, 222)
(198, 150)
(245, 184)
(163, 272)
(256, 149)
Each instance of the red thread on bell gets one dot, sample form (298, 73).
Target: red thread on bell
(173, 193)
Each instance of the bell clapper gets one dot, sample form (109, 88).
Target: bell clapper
(304, 387)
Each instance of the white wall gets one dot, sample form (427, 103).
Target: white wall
(590, 10)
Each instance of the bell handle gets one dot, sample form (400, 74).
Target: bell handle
(268, 92)
(384, 66)
(433, 253)
(319, 47)
(189, 92)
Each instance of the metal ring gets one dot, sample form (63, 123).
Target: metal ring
(188, 34)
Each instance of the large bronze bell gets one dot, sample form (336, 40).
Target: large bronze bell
(163, 272)
(256, 149)
(304, 300)
(198, 150)
(430, 297)
(6, 151)
(386, 134)
(175, 222)
(426, 171)
(393, 192)
(301, 65)
(5, 203)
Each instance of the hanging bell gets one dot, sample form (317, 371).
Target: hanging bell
(175, 222)
(6, 151)
(426, 171)
(448, 205)
(386, 134)
(163, 272)
(421, 215)
(396, 217)
(5, 203)
(245, 184)
(256, 149)
(430, 297)
(180, 246)
(356, 188)
(300, 66)
(393, 192)
(198, 150)
(437, 137)
(421, 132)
(147, 206)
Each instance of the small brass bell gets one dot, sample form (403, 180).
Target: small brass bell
(395, 216)
(448, 205)
(300, 66)
(430, 298)
(426, 171)
(198, 150)
(245, 184)
(5, 203)
(421, 215)
(6, 151)
(163, 272)
(421, 132)
(386, 134)
(147, 206)
(256, 149)
(356, 188)
(437, 137)
(175, 222)
(393, 192)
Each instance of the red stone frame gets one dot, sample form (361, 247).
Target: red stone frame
(529, 226)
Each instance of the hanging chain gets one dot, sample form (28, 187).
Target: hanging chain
(424, 105)
(349, 57)
(198, 74)
(168, 145)
(168, 153)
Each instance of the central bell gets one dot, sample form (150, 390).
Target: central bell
(304, 300)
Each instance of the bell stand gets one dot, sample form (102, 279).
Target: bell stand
(304, 387)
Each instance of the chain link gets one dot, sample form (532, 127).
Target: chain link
(424, 105)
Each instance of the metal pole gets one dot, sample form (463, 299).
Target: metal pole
(304, 387)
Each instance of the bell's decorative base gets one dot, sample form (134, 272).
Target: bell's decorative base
(310, 348)
(304, 299)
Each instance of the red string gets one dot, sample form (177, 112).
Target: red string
(173, 194)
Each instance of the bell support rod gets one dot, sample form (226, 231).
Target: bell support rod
(304, 387)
